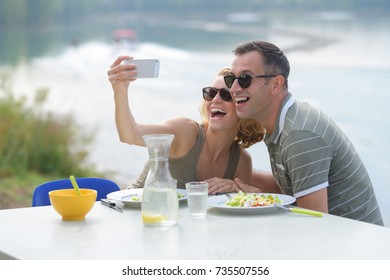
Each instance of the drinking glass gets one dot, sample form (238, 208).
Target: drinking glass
(197, 193)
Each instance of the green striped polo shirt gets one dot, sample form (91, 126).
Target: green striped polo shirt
(309, 152)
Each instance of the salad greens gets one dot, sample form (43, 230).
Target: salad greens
(242, 199)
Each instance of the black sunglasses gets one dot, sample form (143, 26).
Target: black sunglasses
(210, 92)
(244, 80)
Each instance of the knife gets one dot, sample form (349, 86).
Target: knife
(110, 204)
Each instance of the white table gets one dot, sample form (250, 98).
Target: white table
(39, 233)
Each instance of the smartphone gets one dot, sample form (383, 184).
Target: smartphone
(146, 68)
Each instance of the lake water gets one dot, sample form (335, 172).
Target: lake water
(341, 66)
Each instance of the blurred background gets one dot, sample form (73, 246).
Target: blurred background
(56, 104)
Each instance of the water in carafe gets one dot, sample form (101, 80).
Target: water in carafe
(160, 205)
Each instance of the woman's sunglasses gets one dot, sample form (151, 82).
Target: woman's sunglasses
(244, 80)
(210, 92)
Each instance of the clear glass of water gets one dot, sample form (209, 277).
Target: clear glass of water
(197, 193)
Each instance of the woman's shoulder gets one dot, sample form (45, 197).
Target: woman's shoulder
(245, 152)
(245, 156)
(244, 167)
(186, 132)
(181, 125)
(181, 121)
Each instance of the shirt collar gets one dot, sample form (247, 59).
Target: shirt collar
(288, 101)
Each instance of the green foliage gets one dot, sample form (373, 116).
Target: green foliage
(32, 140)
(17, 191)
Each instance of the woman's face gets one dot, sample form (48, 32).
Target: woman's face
(221, 114)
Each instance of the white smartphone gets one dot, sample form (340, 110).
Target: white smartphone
(146, 68)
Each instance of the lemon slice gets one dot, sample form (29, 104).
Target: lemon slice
(152, 219)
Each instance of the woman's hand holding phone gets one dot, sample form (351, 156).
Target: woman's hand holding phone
(146, 68)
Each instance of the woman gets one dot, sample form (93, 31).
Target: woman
(212, 151)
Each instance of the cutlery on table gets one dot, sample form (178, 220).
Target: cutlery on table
(111, 205)
(300, 210)
(229, 195)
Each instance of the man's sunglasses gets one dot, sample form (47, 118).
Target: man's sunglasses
(244, 80)
(210, 92)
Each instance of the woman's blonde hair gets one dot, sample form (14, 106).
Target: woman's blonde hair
(249, 131)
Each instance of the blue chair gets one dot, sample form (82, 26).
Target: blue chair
(101, 185)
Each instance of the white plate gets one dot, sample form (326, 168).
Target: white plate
(126, 196)
(220, 200)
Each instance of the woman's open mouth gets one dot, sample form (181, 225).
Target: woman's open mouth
(217, 112)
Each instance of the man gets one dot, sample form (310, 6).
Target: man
(311, 158)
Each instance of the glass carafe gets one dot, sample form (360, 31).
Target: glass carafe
(160, 205)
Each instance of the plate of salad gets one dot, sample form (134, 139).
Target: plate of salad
(249, 203)
(133, 197)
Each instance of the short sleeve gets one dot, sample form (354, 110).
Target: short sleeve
(307, 159)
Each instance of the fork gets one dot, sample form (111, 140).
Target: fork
(300, 210)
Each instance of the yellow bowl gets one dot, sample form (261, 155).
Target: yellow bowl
(72, 206)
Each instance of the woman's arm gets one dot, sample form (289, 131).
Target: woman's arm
(129, 130)
(120, 76)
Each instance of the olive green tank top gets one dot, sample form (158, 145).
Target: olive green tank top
(184, 169)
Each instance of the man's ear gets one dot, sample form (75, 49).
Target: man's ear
(278, 83)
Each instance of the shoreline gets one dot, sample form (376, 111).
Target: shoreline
(326, 74)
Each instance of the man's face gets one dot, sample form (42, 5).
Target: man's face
(251, 102)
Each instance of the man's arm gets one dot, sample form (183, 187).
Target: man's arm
(317, 201)
(265, 181)
(261, 182)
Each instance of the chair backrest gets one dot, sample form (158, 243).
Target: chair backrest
(101, 185)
